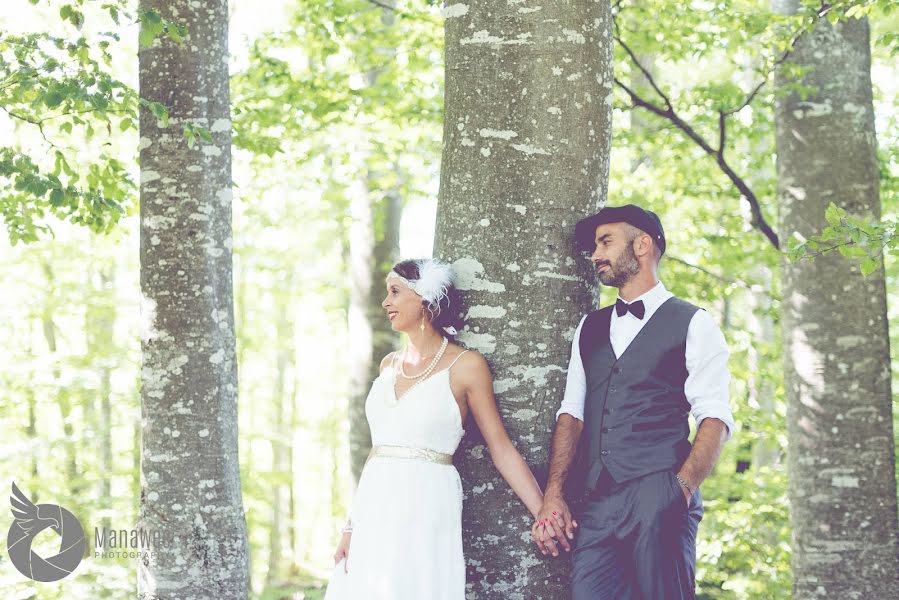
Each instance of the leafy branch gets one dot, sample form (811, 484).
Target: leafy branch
(67, 82)
(742, 283)
(850, 236)
(667, 111)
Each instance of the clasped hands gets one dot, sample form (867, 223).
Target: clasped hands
(554, 525)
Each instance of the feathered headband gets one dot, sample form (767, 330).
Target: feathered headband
(434, 277)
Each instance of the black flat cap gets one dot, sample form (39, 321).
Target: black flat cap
(645, 220)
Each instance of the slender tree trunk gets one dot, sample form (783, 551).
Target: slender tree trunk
(99, 329)
(526, 154)
(836, 341)
(62, 393)
(373, 247)
(360, 326)
(281, 432)
(137, 436)
(766, 451)
(292, 459)
(106, 462)
(99, 321)
(190, 480)
(31, 430)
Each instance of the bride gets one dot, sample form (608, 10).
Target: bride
(404, 537)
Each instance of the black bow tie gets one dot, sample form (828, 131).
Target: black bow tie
(635, 308)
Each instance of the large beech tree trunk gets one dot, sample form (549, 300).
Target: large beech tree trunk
(190, 481)
(836, 339)
(526, 154)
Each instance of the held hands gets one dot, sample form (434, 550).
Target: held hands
(554, 525)
(343, 550)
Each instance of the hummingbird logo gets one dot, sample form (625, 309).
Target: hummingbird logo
(30, 520)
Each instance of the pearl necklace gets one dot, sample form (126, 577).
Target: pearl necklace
(431, 366)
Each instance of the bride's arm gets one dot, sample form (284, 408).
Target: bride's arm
(475, 376)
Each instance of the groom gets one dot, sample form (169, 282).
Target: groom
(637, 368)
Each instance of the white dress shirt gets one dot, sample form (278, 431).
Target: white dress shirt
(707, 383)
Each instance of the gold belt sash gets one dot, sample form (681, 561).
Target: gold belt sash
(406, 452)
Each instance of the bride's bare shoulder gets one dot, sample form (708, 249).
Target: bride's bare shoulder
(385, 362)
(468, 360)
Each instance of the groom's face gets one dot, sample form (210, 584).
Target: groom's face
(614, 258)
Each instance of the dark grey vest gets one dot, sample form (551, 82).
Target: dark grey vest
(635, 410)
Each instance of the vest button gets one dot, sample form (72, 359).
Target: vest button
(605, 430)
(605, 452)
(616, 370)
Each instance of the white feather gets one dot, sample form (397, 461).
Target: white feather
(433, 280)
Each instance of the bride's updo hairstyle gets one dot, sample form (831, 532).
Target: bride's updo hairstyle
(433, 280)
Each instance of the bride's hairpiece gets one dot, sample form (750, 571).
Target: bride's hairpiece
(434, 277)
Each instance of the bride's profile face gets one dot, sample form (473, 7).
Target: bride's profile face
(403, 306)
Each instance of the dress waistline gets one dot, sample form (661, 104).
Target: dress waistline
(407, 452)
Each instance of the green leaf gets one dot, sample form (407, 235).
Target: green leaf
(70, 13)
(160, 112)
(152, 18)
(857, 11)
(797, 250)
(852, 252)
(834, 214)
(829, 233)
(53, 98)
(151, 25)
(868, 266)
(176, 33)
(56, 197)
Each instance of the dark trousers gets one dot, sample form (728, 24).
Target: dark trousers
(636, 541)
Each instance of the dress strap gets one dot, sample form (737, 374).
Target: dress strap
(455, 359)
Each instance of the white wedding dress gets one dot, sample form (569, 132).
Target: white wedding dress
(407, 509)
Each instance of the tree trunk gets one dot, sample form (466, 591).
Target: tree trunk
(526, 154)
(293, 458)
(190, 481)
(99, 327)
(63, 392)
(282, 431)
(373, 248)
(371, 254)
(31, 430)
(766, 451)
(836, 342)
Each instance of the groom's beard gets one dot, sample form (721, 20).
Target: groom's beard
(622, 270)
